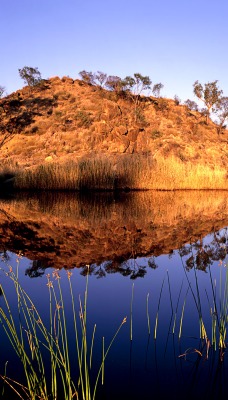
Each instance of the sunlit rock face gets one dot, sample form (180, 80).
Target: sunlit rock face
(64, 119)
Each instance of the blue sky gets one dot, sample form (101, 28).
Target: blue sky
(175, 42)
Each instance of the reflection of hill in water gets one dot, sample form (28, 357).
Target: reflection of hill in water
(66, 230)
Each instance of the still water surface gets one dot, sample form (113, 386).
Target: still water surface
(158, 259)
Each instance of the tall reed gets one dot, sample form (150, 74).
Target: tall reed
(147, 313)
(131, 313)
(133, 171)
(31, 338)
(157, 314)
(218, 309)
(196, 297)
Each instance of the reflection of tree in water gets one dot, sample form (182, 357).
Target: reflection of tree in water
(37, 269)
(199, 255)
(130, 268)
(202, 255)
(151, 263)
(4, 255)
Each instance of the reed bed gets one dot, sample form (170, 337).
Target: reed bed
(172, 173)
(96, 174)
(45, 350)
(135, 172)
(213, 319)
(218, 307)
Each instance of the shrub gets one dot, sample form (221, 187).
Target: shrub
(177, 100)
(192, 105)
(34, 129)
(58, 113)
(161, 105)
(84, 119)
(156, 134)
(140, 117)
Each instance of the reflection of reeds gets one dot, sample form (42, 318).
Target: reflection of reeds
(154, 209)
(32, 340)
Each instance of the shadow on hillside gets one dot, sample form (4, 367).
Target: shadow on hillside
(40, 105)
(14, 107)
(16, 118)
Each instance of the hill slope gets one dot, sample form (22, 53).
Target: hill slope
(63, 120)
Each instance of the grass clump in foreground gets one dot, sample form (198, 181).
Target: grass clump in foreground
(134, 171)
(34, 343)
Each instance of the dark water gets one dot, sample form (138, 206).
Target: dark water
(150, 256)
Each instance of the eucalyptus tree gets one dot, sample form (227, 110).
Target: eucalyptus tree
(114, 83)
(209, 94)
(157, 89)
(221, 111)
(192, 105)
(2, 91)
(135, 85)
(31, 76)
(101, 78)
(87, 77)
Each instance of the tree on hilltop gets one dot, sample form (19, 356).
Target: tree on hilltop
(31, 76)
(209, 94)
(135, 86)
(101, 77)
(87, 77)
(177, 100)
(114, 83)
(157, 88)
(2, 91)
(192, 105)
(222, 112)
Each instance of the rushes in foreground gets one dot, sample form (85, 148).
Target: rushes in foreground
(32, 340)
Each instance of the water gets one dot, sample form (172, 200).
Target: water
(169, 248)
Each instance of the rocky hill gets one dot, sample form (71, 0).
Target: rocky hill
(64, 119)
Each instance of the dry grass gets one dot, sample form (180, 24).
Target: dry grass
(128, 171)
(83, 175)
(141, 172)
(172, 173)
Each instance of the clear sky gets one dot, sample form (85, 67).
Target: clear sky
(175, 42)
